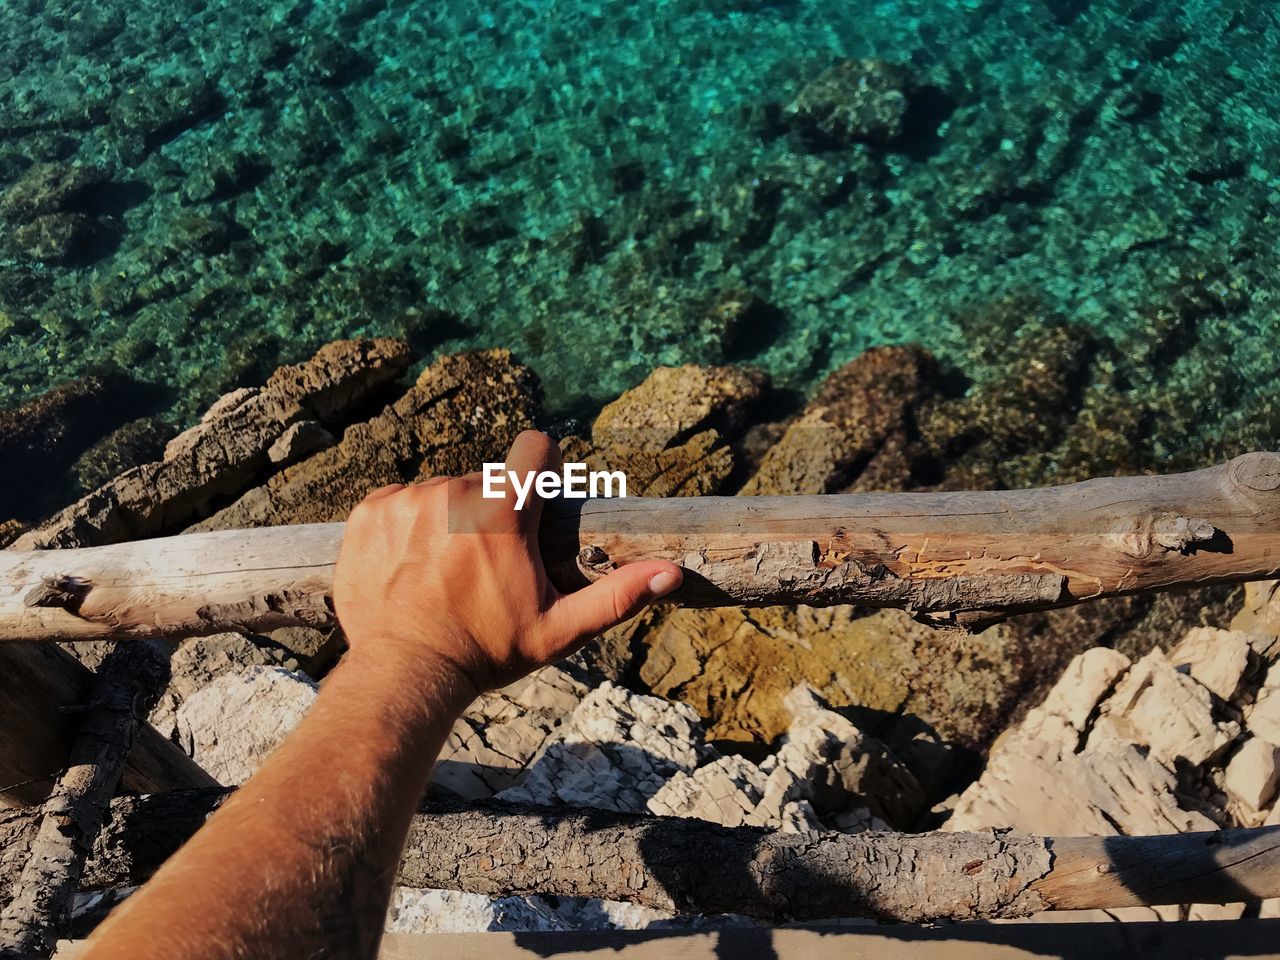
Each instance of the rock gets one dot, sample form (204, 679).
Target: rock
(1157, 707)
(314, 651)
(130, 445)
(698, 467)
(451, 911)
(1046, 776)
(195, 664)
(1216, 659)
(230, 726)
(152, 113)
(300, 439)
(826, 773)
(47, 188)
(1259, 614)
(856, 410)
(1252, 774)
(59, 238)
(854, 100)
(618, 750)
(1088, 678)
(10, 530)
(41, 439)
(464, 410)
(674, 403)
(1263, 718)
(735, 667)
(222, 453)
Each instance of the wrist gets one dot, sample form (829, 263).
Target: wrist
(416, 680)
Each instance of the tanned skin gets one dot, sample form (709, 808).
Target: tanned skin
(442, 595)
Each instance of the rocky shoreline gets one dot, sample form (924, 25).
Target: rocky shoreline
(798, 718)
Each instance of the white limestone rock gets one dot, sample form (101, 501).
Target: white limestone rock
(616, 751)
(1087, 679)
(229, 726)
(1158, 707)
(1215, 658)
(416, 910)
(1263, 718)
(1252, 775)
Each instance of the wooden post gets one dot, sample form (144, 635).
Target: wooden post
(964, 558)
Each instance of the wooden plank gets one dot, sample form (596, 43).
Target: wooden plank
(1229, 940)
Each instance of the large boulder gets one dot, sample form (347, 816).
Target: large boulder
(462, 411)
(228, 449)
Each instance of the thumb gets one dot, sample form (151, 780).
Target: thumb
(612, 599)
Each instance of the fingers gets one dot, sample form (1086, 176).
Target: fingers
(530, 454)
(619, 596)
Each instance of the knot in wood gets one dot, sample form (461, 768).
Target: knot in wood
(1257, 471)
(1174, 532)
(593, 562)
(66, 592)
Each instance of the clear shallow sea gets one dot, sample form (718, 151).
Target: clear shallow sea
(587, 183)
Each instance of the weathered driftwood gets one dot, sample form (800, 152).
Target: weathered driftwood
(957, 557)
(694, 866)
(124, 690)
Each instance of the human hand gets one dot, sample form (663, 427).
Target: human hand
(436, 570)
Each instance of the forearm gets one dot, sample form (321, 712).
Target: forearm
(300, 862)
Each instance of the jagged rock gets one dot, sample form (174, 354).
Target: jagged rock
(492, 745)
(825, 769)
(47, 188)
(1046, 776)
(132, 444)
(618, 750)
(698, 467)
(227, 449)
(452, 911)
(463, 410)
(674, 403)
(1252, 774)
(230, 726)
(314, 651)
(300, 439)
(856, 410)
(10, 530)
(1263, 718)
(1088, 678)
(1157, 707)
(1217, 659)
(198, 662)
(855, 100)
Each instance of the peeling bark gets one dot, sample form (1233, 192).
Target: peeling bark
(694, 866)
(966, 558)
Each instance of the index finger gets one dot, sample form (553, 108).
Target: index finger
(532, 453)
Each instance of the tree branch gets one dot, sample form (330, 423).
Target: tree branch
(693, 866)
(967, 558)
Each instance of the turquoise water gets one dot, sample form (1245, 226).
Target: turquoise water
(587, 183)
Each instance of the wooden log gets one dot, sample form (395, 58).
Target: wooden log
(44, 692)
(968, 558)
(693, 866)
(124, 691)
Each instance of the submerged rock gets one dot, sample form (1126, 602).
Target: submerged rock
(854, 100)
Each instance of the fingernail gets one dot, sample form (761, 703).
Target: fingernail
(662, 583)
